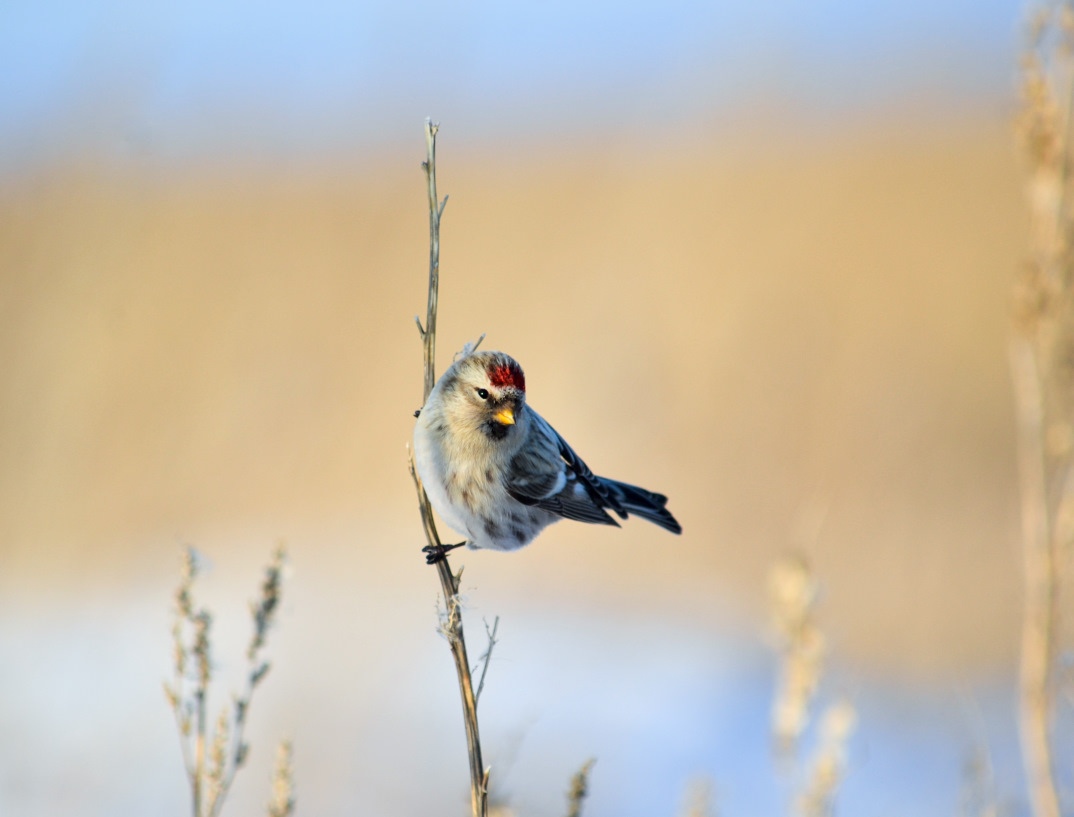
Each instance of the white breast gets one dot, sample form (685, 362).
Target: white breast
(431, 468)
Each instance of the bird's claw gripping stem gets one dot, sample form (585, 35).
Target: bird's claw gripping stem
(436, 553)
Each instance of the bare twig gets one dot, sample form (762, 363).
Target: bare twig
(436, 211)
(484, 660)
(449, 582)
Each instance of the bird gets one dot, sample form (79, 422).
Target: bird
(499, 473)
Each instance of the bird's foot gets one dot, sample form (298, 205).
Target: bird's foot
(436, 553)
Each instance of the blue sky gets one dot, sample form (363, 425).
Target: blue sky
(185, 78)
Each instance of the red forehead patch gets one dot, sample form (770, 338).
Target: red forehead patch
(507, 374)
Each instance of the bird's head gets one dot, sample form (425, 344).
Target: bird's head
(486, 391)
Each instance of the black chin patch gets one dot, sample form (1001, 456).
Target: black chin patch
(496, 431)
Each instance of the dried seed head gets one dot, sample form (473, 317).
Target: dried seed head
(793, 593)
(282, 803)
(264, 609)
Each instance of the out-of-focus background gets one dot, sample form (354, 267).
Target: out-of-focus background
(755, 257)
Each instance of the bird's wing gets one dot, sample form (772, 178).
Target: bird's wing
(549, 475)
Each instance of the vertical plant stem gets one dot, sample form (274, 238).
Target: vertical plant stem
(449, 582)
(436, 210)
(1040, 354)
(1040, 609)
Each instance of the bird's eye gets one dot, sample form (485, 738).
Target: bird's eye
(483, 394)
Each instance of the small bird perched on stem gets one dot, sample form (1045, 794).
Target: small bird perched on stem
(498, 473)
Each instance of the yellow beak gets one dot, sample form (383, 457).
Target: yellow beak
(505, 416)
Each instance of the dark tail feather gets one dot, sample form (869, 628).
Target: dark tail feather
(646, 504)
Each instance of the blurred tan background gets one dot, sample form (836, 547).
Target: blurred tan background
(794, 327)
(803, 347)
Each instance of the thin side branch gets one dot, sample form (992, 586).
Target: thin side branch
(484, 660)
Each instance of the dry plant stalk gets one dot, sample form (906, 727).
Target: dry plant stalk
(451, 620)
(213, 756)
(579, 789)
(978, 797)
(793, 596)
(700, 799)
(829, 762)
(1042, 364)
(793, 592)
